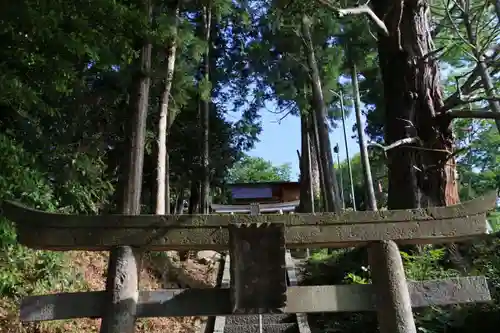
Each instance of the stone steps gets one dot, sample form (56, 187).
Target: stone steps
(266, 319)
(270, 328)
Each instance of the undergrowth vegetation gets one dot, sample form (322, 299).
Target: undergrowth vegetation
(24, 271)
(350, 266)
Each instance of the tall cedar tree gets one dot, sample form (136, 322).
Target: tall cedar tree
(423, 175)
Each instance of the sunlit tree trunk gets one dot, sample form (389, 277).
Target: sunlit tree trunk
(306, 188)
(331, 189)
(122, 283)
(205, 95)
(167, 117)
(316, 167)
(365, 162)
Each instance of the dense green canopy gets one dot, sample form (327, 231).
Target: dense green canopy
(67, 69)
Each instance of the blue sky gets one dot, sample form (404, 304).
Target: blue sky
(279, 141)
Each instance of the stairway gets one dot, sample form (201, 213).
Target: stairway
(282, 323)
(279, 323)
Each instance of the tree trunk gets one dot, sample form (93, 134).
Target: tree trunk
(363, 151)
(167, 117)
(124, 263)
(179, 202)
(489, 88)
(487, 82)
(412, 92)
(315, 174)
(205, 111)
(418, 178)
(194, 197)
(153, 178)
(316, 154)
(325, 150)
(194, 206)
(306, 190)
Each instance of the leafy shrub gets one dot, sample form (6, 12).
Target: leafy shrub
(24, 270)
(350, 267)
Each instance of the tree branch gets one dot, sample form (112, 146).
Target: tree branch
(283, 117)
(470, 100)
(470, 114)
(395, 144)
(471, 84)
(364, 9)
(441, 25)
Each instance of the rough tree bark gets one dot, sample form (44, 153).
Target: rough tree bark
(331, 187)
(167, 117)
(424, 174)
(124, 262)
(421, 175)
(205, 111)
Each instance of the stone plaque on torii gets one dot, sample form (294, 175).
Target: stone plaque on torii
(254, 288)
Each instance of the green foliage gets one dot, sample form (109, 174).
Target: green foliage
(350, 267)
(278, 60)
(26, 271)
(379, 175)
(65, 82)
(256, 169)
(426, 264)
(494, 220)
(478, 163)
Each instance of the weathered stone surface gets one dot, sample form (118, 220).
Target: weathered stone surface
(392, 295)
(23, 215)
(214, 302)
(258, 274)
(220, 321)
(301, 318)
(311, 236)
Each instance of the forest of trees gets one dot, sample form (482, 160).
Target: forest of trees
(256, 169)
(184, 83)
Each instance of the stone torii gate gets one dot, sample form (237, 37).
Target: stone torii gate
(261, 239)
(256, 208)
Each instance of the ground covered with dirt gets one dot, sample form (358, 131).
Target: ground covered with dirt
(199, 270)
